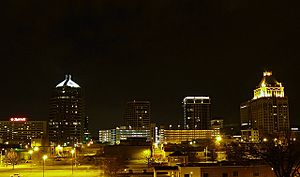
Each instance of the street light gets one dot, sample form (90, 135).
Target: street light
(1, 157)
(205, 151)
(30, 152)
(72, 152)
(218, 138)
(44, 159)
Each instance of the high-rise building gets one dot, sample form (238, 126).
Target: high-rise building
(197, 112)
(268, 110)
(137, 115)
(67, 120)
(217, 126)
(21, 131)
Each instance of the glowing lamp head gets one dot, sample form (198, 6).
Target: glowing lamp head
(30, 152)
(59, 148)
(36, 148)
(218, 138)
(45, 157)
(267, 73)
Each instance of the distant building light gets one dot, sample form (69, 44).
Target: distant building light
(18, 119)
(267, 73)
(244, 106)
(294, 129)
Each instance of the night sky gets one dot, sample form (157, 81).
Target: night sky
(156, 50)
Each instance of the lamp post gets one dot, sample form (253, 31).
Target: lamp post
(72, 152)
(30, 152)
(1, 156)
(44, 159)
(205, 150)
(36, 148)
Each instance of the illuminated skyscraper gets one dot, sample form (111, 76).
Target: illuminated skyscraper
(67, 120)
(197, 113)
(268, 110)
(137, 115)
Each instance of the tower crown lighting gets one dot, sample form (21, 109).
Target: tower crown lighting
(68, 82)
(268, 87)
(267, 73)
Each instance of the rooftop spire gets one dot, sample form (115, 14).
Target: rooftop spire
(68, 82)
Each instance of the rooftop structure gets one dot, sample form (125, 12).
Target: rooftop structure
(68, 82)
(268, 87)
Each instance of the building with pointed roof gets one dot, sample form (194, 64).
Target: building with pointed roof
(268, 110)
(268, 87)
(67, 120)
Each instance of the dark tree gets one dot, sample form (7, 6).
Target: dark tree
(281, 152)
(12, 157)
(112, 166)
(236, 152)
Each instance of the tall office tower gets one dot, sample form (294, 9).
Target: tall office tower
(67, 119)
(197, 113)
(137, 115)
(268, 110)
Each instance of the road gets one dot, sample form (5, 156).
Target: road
(30, 170)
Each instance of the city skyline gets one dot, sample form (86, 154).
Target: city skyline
(147, 52)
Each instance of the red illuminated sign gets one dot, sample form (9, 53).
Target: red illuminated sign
(18, 119)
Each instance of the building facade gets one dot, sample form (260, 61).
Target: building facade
(197, 113)
(250, 135)
(225, 170)
(67, 120)
(137, 115)
(217, 126)
(181, 135)
(268, 111)
(123, 133)
(21, 131)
